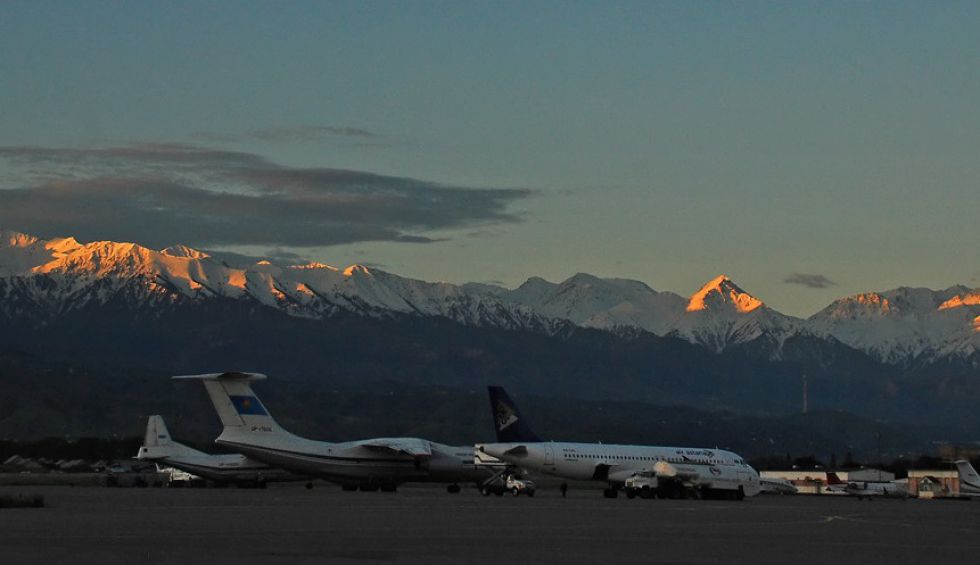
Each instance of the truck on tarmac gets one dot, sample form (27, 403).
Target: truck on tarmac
(512, 484)
(642, 484)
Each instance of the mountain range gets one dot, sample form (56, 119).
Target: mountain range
(89, 333)
(42, 280)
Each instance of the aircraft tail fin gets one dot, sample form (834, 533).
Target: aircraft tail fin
(157, 443)
(833, 479)
(969, 479)
(238, 407)
(510, 425)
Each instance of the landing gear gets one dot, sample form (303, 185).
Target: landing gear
(610, 492)
(349, 488)
(741, 494)
(389, 488)
(367, 487)
(309, 486)
(452, 489)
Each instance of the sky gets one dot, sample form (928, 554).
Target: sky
(809, 150)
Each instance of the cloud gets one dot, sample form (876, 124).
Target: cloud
(294, 133)
(159, 194)
(808, 280)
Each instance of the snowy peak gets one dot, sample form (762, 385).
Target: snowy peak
(902, 325)
(313, 265)
(357, 270)
(721, 293)
(183, 251)
(971, 298)
(867, 305)
(905, 323)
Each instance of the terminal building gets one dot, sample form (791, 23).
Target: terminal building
(814, 481)
(924, 483)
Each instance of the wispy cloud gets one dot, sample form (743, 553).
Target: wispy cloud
(294, 133)
(809, 280)
(159, 194)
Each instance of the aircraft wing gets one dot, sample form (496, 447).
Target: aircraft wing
(414, 447)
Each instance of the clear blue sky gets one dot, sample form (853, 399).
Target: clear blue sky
(667, 142)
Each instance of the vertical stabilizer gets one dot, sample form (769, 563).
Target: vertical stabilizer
(237, 405)
(510, 425)
(157, 443)
(833, 479)
(969, 479)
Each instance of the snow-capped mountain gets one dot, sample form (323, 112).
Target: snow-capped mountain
(906, 324)
(43, 279)
(721, 314)
(593, 302)
(54, 276)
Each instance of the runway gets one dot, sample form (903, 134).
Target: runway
(289, 524)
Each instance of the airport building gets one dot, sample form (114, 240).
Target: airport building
(814, 481)
(933, 483)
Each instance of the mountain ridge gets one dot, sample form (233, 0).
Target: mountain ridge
(903, 326)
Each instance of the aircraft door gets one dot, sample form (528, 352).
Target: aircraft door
(549, 454)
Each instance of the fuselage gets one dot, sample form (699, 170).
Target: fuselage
(358, 462)
(867, 488)
(712, 468)
(228, 468)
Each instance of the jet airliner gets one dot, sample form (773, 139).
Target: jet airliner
(713, 473)
(370, 464)
(235, 468)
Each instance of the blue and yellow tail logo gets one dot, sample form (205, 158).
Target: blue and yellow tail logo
(248, 405)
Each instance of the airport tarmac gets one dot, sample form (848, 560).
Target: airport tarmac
(424, 524)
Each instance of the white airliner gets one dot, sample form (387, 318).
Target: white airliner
(371, 464)
(969, 479)
(713, 473)
(235, 468)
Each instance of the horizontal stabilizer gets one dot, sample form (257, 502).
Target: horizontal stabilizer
(228, 376)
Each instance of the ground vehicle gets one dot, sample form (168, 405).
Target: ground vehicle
(511, 484)
(643, 484)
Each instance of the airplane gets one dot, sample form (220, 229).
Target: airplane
(368, 465)
(232, 468)
(869, 489)
(969, 479)
(777, 486)
(834, 484)
(862, 489)
(708, 473)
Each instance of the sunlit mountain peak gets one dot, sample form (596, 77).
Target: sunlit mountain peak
(960, 300)
(355, 270)
(62, 245)
(184, 252)
(722, 292)
(313, 265)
